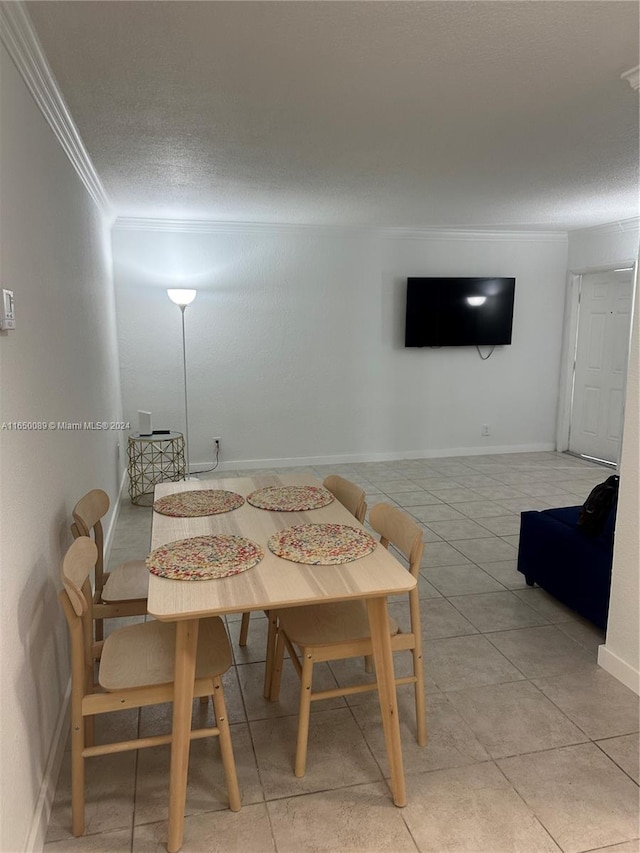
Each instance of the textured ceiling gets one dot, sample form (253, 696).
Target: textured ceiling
(407, 114)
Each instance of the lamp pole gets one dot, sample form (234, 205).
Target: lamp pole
(182, 298)
(186, 399)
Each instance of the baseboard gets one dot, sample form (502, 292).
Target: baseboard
(349, 458)
(619, 668)
(111, 529)
(44, 803)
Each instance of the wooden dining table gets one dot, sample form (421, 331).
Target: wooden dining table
(273, 583)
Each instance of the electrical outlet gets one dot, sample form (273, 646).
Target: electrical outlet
(485, 429)
(217, 441)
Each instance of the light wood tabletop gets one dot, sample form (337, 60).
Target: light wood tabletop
(273, 583)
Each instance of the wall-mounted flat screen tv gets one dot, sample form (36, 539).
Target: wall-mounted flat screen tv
(459, 312)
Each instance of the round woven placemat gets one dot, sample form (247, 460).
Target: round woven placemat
(290, 498)
(199, 502)
(204, 557)
(322, 544)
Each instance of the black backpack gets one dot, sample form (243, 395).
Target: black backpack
(598, 505)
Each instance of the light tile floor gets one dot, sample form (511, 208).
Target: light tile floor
(532, 746)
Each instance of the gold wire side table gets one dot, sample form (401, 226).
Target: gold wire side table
(153, 459)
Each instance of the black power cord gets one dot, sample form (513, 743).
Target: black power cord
(485, 357)
(217, 462)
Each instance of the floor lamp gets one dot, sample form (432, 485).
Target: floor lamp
(183, 297)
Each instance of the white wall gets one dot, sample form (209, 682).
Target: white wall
(295, 342)
(60, 364)
(621, 653)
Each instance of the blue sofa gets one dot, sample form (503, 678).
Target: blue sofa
(570, 564)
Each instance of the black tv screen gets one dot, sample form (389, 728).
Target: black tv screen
(459, 312)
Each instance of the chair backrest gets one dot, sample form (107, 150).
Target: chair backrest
(400, 530)
(87, 521)
(75, 570)
(350, 496)
(77, 603)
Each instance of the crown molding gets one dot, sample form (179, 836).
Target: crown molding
(632, 224)
(209, 226)
(632, 77)
(213, 226)
(19, 38)
(473, 234)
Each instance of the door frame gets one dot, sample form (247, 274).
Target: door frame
(570, 343)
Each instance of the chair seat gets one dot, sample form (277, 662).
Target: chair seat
(328, 624)
(144, 654)
(127, 582)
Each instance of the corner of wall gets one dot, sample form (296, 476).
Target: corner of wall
(619, 668)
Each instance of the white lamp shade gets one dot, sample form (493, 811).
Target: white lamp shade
(182, 296)
(476, 300)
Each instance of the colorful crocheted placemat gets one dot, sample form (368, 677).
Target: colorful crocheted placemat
(322, 544)
(199, 502)
(204, 557)
(290, 498)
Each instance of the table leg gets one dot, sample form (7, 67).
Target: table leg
(381, 641)
(185, 668)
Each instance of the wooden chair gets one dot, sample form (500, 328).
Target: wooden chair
(136, 669)
(328, 632)
(350, 496)
(353, 498)
(121, 592)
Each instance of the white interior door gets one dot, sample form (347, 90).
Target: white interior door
(604, 327)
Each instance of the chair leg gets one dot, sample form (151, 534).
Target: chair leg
(304, 712)
(244, 629)
(226, 749)
(368, 663)
(421, 710)
(271, 650)
(276, 668)
(77, 771)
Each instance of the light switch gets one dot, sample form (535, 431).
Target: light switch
(7, 315)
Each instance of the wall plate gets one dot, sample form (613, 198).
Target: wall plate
(7, 315)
